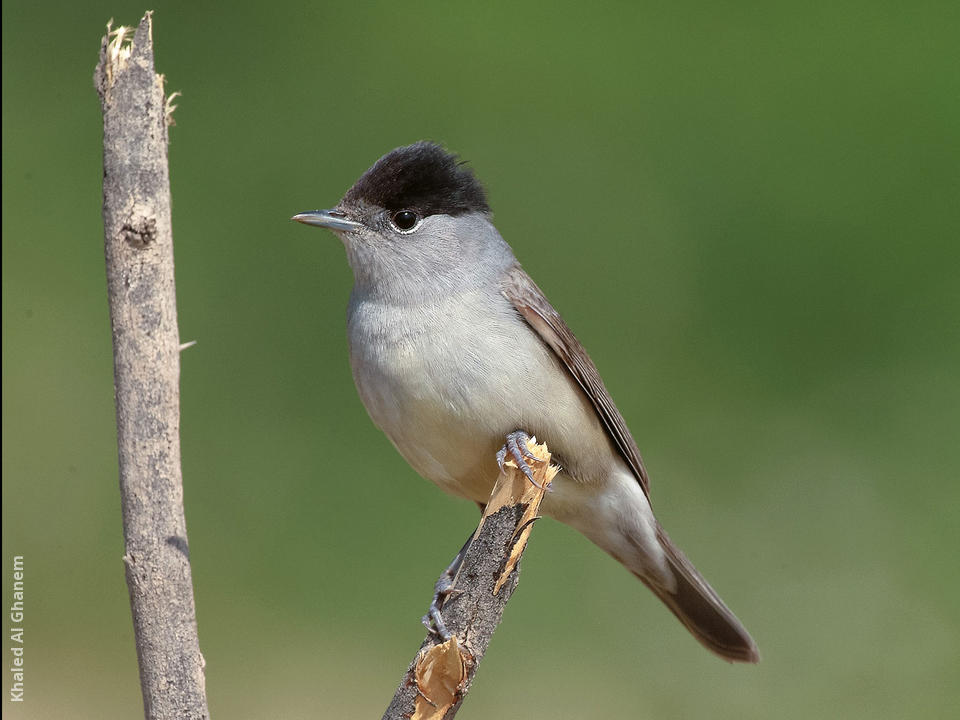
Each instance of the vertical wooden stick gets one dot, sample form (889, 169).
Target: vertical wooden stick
(146, 358)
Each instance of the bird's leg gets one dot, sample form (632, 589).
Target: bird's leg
(516, 445)
(433, 620)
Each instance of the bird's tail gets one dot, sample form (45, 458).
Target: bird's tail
(698, 606)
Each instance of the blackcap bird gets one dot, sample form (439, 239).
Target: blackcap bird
(457, 353)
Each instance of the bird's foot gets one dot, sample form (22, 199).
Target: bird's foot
(443, 589)
(433, 620)
(516, 445)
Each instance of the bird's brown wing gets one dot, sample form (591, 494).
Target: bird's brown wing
(534, 307)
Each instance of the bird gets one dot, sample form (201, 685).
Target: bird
(459, 358)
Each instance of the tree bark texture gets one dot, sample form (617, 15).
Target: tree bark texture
(146, 354)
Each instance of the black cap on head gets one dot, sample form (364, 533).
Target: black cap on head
(422, 177)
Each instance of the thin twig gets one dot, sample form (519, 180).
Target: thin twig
(439, 677)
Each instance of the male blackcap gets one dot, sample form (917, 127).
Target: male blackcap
(456, 353)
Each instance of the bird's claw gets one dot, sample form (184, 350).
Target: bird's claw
(433, 622)
(516, 445)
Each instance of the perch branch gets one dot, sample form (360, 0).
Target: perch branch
(439, 677)
(146, 364)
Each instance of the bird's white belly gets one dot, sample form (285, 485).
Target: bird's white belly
(448, 381)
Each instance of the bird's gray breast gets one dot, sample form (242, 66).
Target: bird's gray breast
(448, 377)
(439, 377)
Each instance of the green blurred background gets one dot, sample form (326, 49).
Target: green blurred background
(749, 213)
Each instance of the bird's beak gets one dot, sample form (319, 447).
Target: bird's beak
(330, 219)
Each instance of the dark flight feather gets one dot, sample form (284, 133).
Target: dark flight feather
(422, 177)
(701, 610)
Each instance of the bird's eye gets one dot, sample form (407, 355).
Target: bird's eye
(405, 219)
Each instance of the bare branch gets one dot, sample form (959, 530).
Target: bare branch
(146, 358)
(439, 678)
